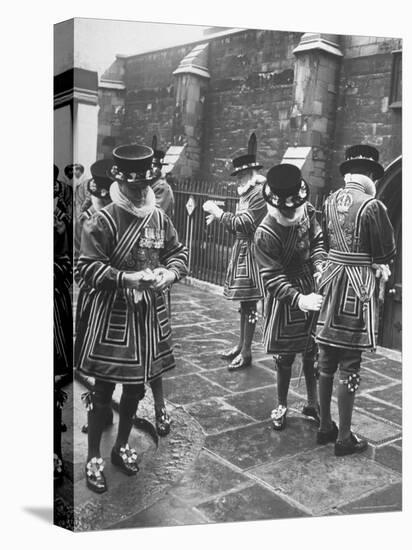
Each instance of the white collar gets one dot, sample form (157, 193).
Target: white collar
(121, 200)
(364, 182)
(282, 220)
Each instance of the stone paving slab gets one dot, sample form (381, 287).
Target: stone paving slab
(188, 318)
(378, 408)
(256, 403)
(389, 456)
(166, 512)
(183, 366)
(250, 446)
(387, 500)
(204, 361)
(206, 345)
(191, 388)
(215, 415)
(371, 378)
(319, 481)
(387, 367)
(392, 394)
(252, 377)
(196, 331)
(225, 325)
(249, 504)
(208, 477)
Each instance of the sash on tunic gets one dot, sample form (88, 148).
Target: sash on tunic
(354, 263)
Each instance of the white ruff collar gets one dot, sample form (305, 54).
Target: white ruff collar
(365, 182)
(139, 211)
(282, 220)
(243, 189)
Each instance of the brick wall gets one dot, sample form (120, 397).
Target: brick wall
(363, 113)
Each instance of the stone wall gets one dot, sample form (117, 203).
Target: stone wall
(150, 96)
(251, 89)
(363, 112)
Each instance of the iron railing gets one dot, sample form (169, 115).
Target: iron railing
(209, 246)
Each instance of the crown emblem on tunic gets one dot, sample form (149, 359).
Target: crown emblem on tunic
(344, 202)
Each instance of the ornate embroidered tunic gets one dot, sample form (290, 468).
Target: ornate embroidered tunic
(123, 335)
(242, 280)
(287, 257)
(357, 233)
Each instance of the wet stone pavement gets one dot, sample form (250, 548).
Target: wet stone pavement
(223, 461)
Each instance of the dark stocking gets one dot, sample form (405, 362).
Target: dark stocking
(328, 363)
(248, 320)
(129, 400)
(346, 400)
(242, 328)
(96, 417)
(284, 372)
(157, 389)
(311, 382)
(325, 396)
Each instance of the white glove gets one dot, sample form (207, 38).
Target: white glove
(310, 302)
(212, 208)
(209, 219)
(382, 270)
(164, 278)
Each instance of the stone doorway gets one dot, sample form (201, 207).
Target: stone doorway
(389, 191)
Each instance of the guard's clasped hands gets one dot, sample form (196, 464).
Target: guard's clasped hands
(159, 279)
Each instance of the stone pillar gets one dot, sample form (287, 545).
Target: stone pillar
(313, 116)
(192, 80)
(85, 134)
(76, 109)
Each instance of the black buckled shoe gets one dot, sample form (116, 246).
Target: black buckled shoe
(240, 362)
(278, 417)
(163, 422)
(312, 412)
(327, 437)
(125, 459)
(353, 445)
(230, 353)
(95, 479)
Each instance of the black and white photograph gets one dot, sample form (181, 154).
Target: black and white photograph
(227, 274)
